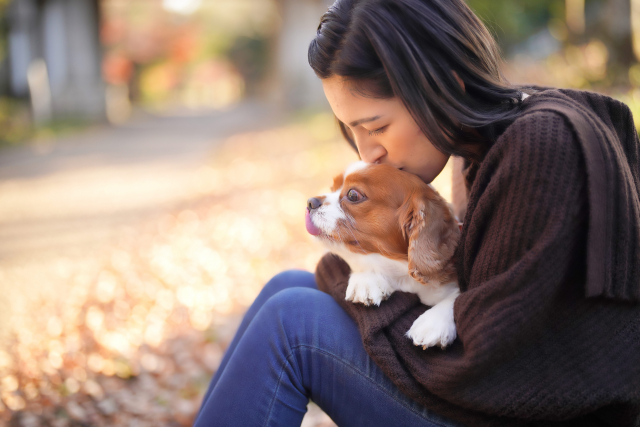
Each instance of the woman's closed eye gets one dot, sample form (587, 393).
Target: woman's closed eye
(377, 131)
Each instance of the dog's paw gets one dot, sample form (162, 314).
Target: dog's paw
(435, 327)
(367, 288)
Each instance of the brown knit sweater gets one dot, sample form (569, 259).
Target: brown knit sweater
(549, 267)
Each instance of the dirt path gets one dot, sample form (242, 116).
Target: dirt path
(60, 200)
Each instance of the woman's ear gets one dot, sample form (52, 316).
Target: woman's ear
(432, 235)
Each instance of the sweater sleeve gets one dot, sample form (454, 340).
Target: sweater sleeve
(533, 347)
(525, 236)
(532, 344)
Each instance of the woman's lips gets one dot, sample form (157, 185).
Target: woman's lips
(311, 227)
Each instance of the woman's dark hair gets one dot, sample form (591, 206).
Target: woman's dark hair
(411, 49)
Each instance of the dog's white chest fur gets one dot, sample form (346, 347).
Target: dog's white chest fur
(375, 277)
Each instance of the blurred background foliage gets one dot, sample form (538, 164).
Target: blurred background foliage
(209, 58)
(171, 55)
(154, 55)
(513, 22)
(583, 44)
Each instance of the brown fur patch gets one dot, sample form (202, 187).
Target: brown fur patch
(337, 182)
(433, 235)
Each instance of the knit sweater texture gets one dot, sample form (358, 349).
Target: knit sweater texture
(548, 263)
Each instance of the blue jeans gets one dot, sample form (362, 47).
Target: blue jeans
(294, 344)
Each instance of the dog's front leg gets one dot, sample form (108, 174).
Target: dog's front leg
(435, 326)
(368, 288)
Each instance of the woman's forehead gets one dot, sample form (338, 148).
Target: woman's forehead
(350, 106)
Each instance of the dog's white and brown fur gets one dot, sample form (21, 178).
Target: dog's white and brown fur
(397, 234)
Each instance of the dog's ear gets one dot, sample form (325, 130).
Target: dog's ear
(432, 234)
(337, 182)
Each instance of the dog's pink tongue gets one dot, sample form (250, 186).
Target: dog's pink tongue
(311, 228)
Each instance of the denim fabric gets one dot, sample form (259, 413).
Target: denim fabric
(294, 344)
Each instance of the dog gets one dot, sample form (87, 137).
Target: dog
(397, 234)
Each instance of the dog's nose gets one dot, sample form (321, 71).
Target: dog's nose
(313, 203)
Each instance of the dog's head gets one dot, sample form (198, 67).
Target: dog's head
(379, 209)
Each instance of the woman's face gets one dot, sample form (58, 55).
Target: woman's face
(384, 130)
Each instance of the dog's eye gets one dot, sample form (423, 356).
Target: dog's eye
(354, 196)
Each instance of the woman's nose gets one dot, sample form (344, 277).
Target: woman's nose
(371, 152)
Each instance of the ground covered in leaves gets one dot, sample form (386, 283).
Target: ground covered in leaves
(143, 324)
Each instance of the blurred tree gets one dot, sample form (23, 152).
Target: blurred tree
(574, 15)
(512, 22)
(4, 74)
(251, 57)
(610, 22)
(181, 57)
(635, 27)
(586, 32)
(295, 84)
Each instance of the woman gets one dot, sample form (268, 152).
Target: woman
(549, 259)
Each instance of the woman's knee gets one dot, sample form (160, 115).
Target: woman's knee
(285, 280)
(305, 314)
(295, 298)
(289, 279)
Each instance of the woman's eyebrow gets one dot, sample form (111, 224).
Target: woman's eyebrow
(365, 120)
